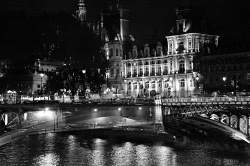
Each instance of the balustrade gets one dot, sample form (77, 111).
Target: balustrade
(207, 99)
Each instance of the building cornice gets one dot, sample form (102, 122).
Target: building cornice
(191, 34)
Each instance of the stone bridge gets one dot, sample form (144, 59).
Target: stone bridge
(231, 114)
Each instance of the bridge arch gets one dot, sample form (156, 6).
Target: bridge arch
(214, 117)
(243, 124)
(225, 119)
(234, 121)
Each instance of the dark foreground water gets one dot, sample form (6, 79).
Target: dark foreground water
(76, 149)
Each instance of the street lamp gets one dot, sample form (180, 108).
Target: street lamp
(107, 77)
(84, 72)
(224, 79)
(141, 86)
(41, 74)
(197, 81)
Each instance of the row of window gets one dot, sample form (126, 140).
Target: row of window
(182, 84)
(146, 63)
(116, 52)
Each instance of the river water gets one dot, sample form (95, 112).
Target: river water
(76, 149)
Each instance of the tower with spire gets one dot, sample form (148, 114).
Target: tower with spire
(114, 31)
(81, 13)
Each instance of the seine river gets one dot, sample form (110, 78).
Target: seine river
(75, 148)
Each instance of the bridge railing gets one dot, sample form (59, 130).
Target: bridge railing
(34, 99)
(207, 99)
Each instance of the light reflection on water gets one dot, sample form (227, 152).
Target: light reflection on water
(74, 149)
(47, 159)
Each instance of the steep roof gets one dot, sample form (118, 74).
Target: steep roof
(193, 20)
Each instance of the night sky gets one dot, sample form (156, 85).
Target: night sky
(152, 19)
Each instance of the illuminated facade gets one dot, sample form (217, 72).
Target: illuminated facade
(167, 71)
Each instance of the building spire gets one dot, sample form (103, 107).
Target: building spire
(81, 13)
(114, 4)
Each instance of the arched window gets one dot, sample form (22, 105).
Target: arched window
(182, 83)
(181, 67)
(129, 86)
(181, 47)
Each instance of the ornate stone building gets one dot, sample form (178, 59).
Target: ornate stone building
(168, 70)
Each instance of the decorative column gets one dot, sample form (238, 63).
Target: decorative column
(169, 67)
(132, 88)
(131, 69)
(162, 87)
(143, 68)
(155, 67)
(143, 86)
(138, 88)
(176, 64)
(185, 64)
(162, 68)
(125, 70)
(149, 68)
(137, 67)
(156, 85)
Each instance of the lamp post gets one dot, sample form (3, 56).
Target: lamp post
(84, 72)
(141, 86)
(41, 74)
(197, 81)
(107, 77)
(224, 79)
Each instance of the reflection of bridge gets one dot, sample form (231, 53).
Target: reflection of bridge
(14, 113)
(228, 114)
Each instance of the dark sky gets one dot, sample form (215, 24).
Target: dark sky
(154, 18)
